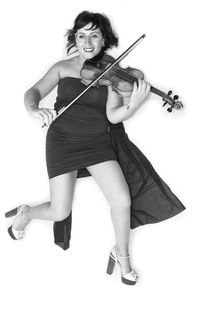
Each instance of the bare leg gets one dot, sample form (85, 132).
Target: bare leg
(121, 223)
(111, 180)
(61, 194)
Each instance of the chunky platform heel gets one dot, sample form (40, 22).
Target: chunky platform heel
(111, 265)
(11, 213)
(16, 234)
(130, 278)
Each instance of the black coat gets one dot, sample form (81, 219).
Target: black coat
(152, 200)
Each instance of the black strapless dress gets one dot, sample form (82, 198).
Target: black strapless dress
(83, 136)
(79, 137)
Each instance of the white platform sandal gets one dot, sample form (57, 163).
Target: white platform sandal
(129, 278)
(16, 234)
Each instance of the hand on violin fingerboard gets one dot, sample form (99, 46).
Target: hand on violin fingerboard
(139, 94)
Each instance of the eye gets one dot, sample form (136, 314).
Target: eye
(80, 36)
(95, 36)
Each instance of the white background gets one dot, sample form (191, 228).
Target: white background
(38, 276)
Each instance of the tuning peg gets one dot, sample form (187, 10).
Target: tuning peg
(169, 109)
(169, 93)
(175, 97)
(165, 103)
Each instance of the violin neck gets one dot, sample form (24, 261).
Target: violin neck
(158, 92)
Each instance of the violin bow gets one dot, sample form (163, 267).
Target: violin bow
(95, 80)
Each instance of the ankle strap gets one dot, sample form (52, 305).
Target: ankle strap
(123, 256)
(120, 255)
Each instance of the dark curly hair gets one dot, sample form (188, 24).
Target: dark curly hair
(98, 21)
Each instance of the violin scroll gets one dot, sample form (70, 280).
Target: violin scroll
(174, 104)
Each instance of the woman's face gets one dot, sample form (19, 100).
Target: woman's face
(89, 41)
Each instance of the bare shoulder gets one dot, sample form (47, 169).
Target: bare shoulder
(49, 80)
(70, 67)
(63, 66)
(58, 68)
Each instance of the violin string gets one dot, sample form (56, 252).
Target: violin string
(123, 73)
(129, 77)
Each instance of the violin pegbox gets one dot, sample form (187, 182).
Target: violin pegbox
(172, 101)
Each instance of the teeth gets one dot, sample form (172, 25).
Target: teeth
(88, 49)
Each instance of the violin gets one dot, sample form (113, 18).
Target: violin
(104, 69)
(121, 80)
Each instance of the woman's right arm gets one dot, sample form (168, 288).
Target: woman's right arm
(38, 91)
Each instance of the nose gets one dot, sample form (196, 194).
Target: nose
(88, 40)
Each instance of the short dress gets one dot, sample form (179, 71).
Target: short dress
(82, 136)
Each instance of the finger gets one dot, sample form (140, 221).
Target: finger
(49, 114)
(141, 86)
(49, 117)
(43, 120)
(137, 84)
(134, 87)
(146, 91)
(148, 87)
(45, 117)
(54, 114)
(144, 87)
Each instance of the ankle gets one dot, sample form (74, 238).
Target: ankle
(25, 215)
(121, 251)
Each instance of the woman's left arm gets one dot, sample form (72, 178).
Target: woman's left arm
(119, 109)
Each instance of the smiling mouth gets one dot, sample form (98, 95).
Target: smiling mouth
(88, 49)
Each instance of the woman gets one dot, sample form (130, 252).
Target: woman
(79, 143)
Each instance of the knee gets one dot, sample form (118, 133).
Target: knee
(61, 213)
(123, 201)
(60, 216)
